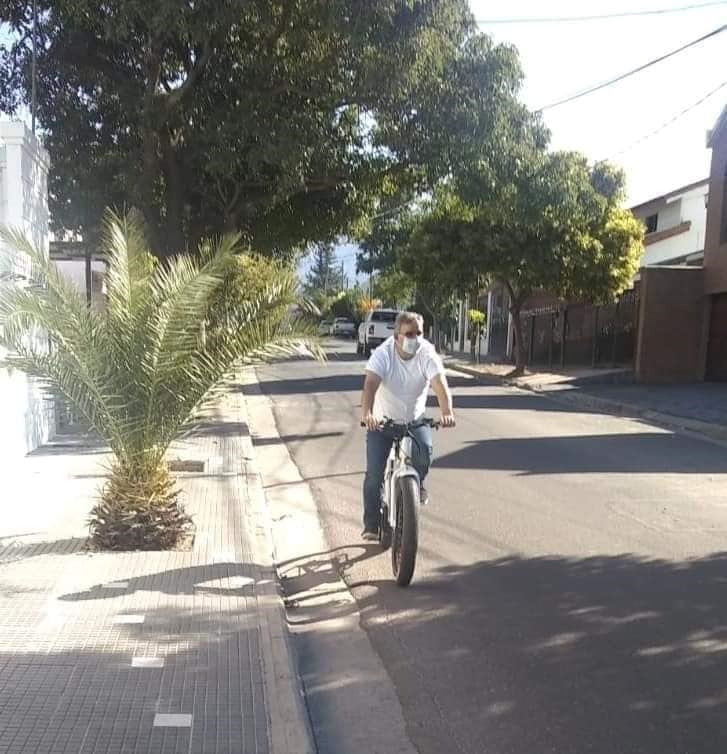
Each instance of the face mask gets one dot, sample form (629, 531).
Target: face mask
(411, 345)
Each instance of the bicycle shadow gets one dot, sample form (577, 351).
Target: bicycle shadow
(312, 586)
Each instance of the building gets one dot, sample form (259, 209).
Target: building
(682, 333)
(675, 226)
(676, 229)
(26, 415)
(715, 259)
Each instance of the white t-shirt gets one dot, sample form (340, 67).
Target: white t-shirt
(402, 395)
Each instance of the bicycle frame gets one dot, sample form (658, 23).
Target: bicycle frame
(398, 466)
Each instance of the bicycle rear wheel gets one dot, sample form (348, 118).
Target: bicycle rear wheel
(406, 534)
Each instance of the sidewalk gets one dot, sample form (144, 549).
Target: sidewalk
(699, 407)
(164, 652)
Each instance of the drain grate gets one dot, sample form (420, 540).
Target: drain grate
(186, 465)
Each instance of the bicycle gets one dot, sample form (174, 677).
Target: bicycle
(400, 501)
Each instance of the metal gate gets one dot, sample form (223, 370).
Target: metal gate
(582, 334)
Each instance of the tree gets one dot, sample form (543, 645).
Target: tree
(555, 226)
(364, 304)
(346, 304)
(394, 287)
(284, 119)
(477, 320)
(438, 257)
(139, 369)
(248, 278)
(325, 274)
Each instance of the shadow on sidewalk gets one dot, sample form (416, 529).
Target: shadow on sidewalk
(71, 445)
(13, 549)
(232, 579)
(212, 428)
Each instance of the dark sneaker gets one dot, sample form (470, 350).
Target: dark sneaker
(423, 495)
(370, 535)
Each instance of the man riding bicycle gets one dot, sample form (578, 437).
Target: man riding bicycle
(398, 376)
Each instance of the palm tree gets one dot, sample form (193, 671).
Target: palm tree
(139, 370)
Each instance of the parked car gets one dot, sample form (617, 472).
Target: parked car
(375, 329)
(324, 328)
(343, 328)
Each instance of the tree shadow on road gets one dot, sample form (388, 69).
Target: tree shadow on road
(332, 383)
(645, 452)
(603, 654)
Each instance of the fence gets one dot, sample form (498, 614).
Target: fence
(582, 334)
(498, 335)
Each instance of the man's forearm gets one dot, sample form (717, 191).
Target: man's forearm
(444, 396)
(369, 393)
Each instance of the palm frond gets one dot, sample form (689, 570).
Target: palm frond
(141, 367)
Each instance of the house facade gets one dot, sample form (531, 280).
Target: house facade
(676, 226)
(683, 311)
(26, 416)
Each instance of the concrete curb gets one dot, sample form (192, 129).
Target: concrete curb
(582, 400)
(290, 730)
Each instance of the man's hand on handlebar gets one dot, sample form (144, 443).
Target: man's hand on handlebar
(447, 420)
(370, 422)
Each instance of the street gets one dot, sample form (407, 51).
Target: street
(569, 594)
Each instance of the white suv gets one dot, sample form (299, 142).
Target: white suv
(375, 329)
(343, 328)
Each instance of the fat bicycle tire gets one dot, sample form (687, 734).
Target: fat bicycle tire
(385, 529)
(406, 534)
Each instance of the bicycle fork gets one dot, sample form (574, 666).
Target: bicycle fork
(398, 466)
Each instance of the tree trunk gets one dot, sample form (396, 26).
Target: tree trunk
(518, 332)
(149, 176)
(436, 334)
(174, 196)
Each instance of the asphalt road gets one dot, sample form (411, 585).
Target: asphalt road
(571, 589)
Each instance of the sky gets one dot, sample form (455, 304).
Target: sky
(559, 59)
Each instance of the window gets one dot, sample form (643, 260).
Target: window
(651, 222)
(383, 316)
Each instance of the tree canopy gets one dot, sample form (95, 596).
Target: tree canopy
(553, 223)
(286, 120)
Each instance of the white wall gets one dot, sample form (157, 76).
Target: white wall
(687, 207)
(26, 416)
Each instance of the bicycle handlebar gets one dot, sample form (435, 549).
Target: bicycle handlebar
(407, 426)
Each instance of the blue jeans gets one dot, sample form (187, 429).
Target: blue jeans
(378, 446)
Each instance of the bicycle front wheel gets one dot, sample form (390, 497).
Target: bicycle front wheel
(406, 533)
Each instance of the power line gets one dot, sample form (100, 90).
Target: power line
(669, 122)
(632, 72)
(598, 17)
